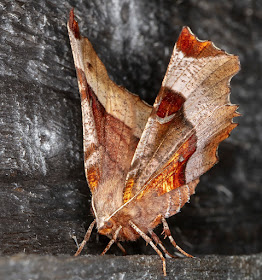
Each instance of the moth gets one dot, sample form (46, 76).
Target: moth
(146, 160)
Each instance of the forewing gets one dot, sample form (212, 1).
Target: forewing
(192, 114)
(113, 118)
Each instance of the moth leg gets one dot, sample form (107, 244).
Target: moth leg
(150, 241)
(121, 248)
(158, 242)
(86, 238)
(168, 233)
(112, 241)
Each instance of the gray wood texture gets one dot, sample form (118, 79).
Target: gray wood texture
(24, 267)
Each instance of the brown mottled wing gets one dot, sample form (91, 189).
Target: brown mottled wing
(192, 114)
(113, 118)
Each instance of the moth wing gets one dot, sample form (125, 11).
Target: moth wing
(192, 114)
(113, 118)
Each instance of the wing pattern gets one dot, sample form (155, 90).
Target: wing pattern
(191, 116)
(113, 121)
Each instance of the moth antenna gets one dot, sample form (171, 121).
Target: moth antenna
(121, 248)
(160, 244)
(168, 233)
(112, 241)
(86, 238)
(150, 241)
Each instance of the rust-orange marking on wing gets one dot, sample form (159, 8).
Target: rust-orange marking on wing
(83, 83)
(171, 102)
(192, 47)
(173, 174)
(92, 176)
(128, 190)
(73, 25)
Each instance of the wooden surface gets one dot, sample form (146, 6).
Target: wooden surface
(140, 267)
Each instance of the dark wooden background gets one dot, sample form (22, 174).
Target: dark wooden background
(44, 196)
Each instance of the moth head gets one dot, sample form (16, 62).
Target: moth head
(105, 226)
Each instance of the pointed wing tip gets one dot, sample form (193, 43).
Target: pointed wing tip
(73, 25)
(192, 46)
(186, 30)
